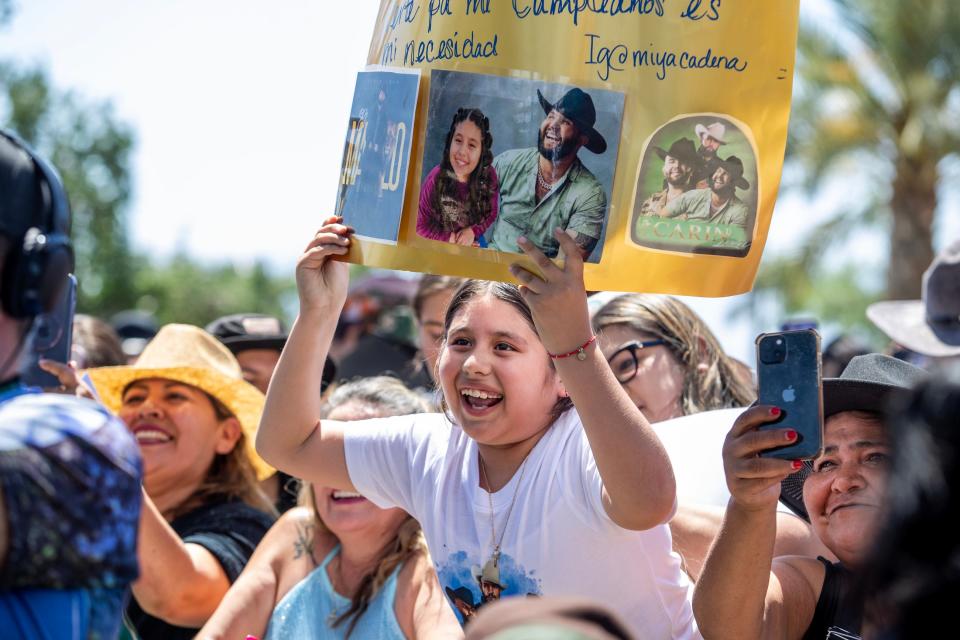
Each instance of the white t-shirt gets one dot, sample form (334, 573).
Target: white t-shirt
(558, 540)
(695, 446)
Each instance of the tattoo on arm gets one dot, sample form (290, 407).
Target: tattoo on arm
(585, 242)
(303, 545)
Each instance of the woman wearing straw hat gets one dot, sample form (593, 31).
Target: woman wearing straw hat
(194, 418)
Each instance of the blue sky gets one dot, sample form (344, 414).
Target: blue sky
(239, 109)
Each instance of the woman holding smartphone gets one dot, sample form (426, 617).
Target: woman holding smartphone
(746, 592)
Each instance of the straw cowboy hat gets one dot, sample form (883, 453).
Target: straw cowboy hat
(190, 355)
(930, 325)
(867, 384)
(715, 131)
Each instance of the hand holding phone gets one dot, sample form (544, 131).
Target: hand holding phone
(788, 373)
(51, 339)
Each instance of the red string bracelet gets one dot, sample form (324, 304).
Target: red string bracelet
(581, 355)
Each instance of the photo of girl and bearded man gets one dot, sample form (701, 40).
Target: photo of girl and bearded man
(508, 157)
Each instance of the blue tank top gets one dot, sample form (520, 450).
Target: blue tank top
(310, 607)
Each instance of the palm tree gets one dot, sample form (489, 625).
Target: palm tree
(878, 86)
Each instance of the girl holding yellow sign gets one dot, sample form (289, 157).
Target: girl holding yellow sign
(518, 492)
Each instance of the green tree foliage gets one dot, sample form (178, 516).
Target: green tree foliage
(91, 149)
(876, 101)
(183, 290)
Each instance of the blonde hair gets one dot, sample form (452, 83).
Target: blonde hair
(712, 379)
(379, 396)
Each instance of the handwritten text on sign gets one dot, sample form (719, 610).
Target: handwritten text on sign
(607, 57)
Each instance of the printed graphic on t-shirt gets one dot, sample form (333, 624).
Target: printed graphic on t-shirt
(470, 585)
(836, 633)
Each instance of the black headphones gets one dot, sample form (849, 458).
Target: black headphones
(37, 264)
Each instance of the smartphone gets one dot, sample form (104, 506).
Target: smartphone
(788, 375)
(51, 339)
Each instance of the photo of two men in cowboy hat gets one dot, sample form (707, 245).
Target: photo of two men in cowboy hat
(697, 193)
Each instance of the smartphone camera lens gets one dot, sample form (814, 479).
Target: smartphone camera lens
(773, 350)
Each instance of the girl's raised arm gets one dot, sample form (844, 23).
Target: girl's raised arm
(290, 435)
(639, 489)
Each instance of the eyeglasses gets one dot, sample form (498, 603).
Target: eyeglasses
(625, 361)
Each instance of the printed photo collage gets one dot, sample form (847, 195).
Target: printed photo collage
(509, 157)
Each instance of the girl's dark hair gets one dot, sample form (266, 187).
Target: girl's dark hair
(911, 578)
(478, 204)
(506, 293)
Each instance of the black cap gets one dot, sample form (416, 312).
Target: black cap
(242, 331)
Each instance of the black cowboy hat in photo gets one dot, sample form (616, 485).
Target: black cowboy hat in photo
(734, 166)
(868, 383)
(683, 150)
(244, 331)
(577, 105)
(460, 593)
(930, 325)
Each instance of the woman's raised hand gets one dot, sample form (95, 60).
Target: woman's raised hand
(557, 298)
(321, 282)
(754, 482)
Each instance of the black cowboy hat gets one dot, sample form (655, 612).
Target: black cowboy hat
(868, 383)
(577, 105)
(734, 166)
(244, 331)
(460, 593)
(683, 150)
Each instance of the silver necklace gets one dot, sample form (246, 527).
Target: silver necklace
(546, 186)
(495, 554)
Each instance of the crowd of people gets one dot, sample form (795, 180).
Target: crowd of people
(531, 470)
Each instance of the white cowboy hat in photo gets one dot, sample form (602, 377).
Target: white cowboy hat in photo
(930, 325)
(715, 131)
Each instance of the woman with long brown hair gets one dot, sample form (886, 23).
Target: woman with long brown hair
(194, 417)
(667, 359)
(338, 566)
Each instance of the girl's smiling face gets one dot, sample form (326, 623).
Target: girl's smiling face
(495, 373)
(465, 149)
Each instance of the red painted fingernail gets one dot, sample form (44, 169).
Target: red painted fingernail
(774, 411)
(791, 435)
(797, 465)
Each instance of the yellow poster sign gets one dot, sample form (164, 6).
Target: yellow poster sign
(651, 131)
